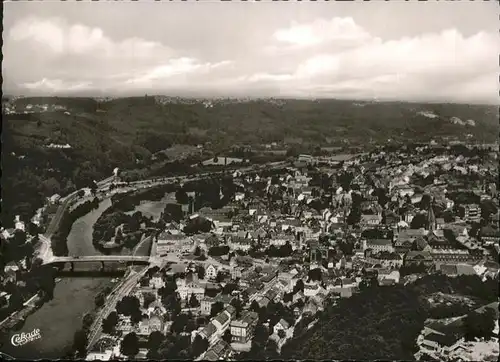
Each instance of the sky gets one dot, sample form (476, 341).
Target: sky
(409, 51)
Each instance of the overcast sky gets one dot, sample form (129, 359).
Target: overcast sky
(434, 51)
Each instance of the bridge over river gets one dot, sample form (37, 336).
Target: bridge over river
(72, 260)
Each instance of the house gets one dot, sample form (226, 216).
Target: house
(385, 259)
(219, 351)
(489, 235)
(388, 277)
(100, 354)
(471, 212)
(206, 305)
(18, 224)
(170, 243)
(311, 289)
(416, 257)
(124, 325)
(54, 199)
(454, 270)
(222, 322)
(242, 329)
(151, 324)
(282, 325)
(379, 245)
(211, 272)
(190, 286)
(209, 333)
(455, 256)
(371, 219)
(156, 281)
(441, 343)
(405, 238)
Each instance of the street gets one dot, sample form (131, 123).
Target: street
(116, 295)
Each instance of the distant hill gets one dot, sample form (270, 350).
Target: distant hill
(105, 133)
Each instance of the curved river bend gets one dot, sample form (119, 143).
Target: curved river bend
(61, 317)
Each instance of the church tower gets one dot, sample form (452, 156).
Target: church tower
(431, 218)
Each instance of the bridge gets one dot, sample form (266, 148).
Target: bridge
(97, 258)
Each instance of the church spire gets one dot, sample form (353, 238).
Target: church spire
(431, 218)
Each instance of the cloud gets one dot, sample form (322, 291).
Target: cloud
(445, 64)
(59, 38)
(339, 30)
(56, 85)
(175, 67)
(334, 57)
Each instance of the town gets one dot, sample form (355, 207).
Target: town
(245, 277)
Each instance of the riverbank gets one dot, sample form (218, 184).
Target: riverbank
(59, 318)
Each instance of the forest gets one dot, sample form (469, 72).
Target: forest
(381, 322)
(126, 132)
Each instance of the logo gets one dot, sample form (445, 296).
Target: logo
(23, 338)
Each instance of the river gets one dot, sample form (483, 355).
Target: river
(61, 317)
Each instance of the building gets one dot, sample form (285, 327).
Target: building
(206, 305)
(453, 270)
(471, 212)
(242, 329)
(379, 245)
(211, 272)
(418, 257)
(209, 333)
(169, 243)
(54, 198)
(371, 220)
(221, 322)
(156, 281)
(455, 256)
(190, 286)
(489, 235)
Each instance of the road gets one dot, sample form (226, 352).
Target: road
(115, 296)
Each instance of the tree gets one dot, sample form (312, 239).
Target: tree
(261, 335)
(227, 337)
(182, 197)
(99, 300)
(254, 306)
(299, 286)
(197, 251)
(315, 274)
(479, 325)
(193, 302)
(88, 319)
(220, 277)
(216, 308)
(110, 322)
(201, 272)
(271, 349)
(238, 306)
(130, 345)
(80, 342)
(93, 187)
(119, 236)
(418, 221)
(287, 297)
(199, 346)
(155, 339)
(148, 299)
(128, 306)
